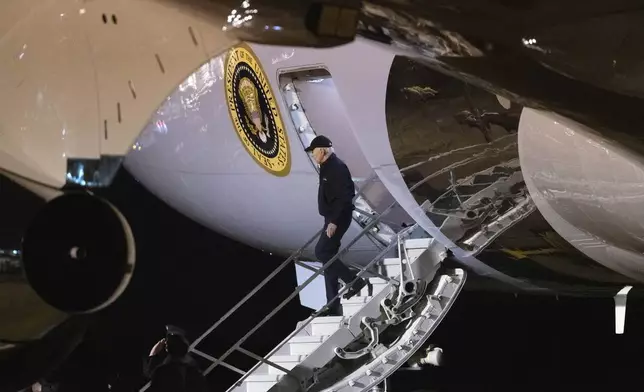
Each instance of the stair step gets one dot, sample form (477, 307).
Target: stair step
(418, 243)
(325, 326)
(286, 361)
(472, 189)
(261, 382)
(355, 300)
(450, 202)
(391, 261)
(488, 178)
(353, 305)
(377, 283)
(305, 345)
(504, 169)
(390, 267)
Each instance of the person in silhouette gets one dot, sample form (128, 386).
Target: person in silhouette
(335, 203)
(170, 366)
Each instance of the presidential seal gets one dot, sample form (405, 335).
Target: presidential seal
(254, 112)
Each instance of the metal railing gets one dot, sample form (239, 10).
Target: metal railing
(374, 272)
(363, 213)
(276, 271)
(319, 271)
(298, 289)
(292, 258)
(404, 233)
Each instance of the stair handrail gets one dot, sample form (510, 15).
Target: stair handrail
(400, 235)
(268, 278)
(276, 271)
(293, 256)
(303, 285)
(368, 227)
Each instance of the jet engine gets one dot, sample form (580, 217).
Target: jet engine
(78, 253)
(77, 258)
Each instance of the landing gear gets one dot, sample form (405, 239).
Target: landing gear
(78, 253)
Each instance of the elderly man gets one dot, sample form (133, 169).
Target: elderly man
(335, 204)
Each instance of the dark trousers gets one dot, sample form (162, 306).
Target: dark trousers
(325, 249)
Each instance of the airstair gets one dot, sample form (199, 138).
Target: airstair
(381, 329)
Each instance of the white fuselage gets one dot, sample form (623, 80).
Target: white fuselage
(78, 83)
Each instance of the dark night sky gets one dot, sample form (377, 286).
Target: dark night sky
(188, 275)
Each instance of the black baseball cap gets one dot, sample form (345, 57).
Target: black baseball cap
(319, 141)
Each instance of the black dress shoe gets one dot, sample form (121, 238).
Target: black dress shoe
(355, 289)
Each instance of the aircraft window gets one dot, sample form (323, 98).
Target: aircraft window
(132, 89)
(114, 19)
(193, 36)
(161, 67)
(104, 18)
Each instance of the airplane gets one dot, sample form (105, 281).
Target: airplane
(214, 120)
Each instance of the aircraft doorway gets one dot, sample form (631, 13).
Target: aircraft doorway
(316, 108)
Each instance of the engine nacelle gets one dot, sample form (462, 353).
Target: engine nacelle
(78, 254)
(587, 186)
